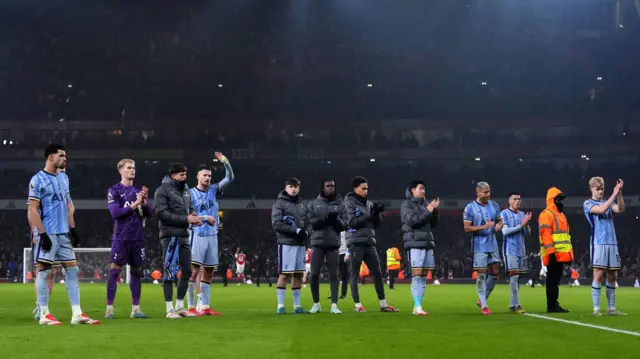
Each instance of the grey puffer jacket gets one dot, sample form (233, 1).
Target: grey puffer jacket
(362, 223)
(172, 204)
(417, 222)
(288, 214)
(324, 232)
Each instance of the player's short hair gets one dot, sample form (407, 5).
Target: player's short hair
(52, 149)
(204, 167)
(292, 182)
(124, 161)
(177, 168)
(482, 185)
(357, 181)
(596, 181)
(414, 183)
(513, 194)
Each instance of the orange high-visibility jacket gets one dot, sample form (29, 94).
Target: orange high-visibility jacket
(364, 270)
(554, 231)
(393, 258)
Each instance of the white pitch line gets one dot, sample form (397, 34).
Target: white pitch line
(621, 331)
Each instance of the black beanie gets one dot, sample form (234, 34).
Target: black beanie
(177, 168)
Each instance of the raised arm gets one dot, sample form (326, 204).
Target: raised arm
(228, 172)
(619, 207)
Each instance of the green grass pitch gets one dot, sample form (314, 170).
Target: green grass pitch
(250, 327)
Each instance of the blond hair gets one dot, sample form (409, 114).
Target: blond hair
(596, 181)
(124, 161)
(482, 185)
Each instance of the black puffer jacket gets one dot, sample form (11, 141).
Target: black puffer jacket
(289, 214)
(417, 223)
(324, 232)
(362, 223)
(172, 205)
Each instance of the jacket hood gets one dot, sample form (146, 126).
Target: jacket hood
(355, 196)
(173, 183)
(552, 193)
(337, 197)
(170, 181)
(408, 195)
(284, 196)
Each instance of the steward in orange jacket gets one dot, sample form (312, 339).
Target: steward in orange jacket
(393, 265)
(555, 246)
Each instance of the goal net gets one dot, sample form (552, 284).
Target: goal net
(92, 262)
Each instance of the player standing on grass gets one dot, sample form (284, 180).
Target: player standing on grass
(515, 230)
(172, 204)
(307, 267)
(482, 219)
(51, 213)
(241, 260)
(364, 216)
(32, 238)
(129, 209)
(327, 219)
(418, 218)
(604, 245)
(204, 239)
(289, 220)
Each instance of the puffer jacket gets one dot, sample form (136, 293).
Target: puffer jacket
(172, 204)
(362, 224)
(417, 223)
(326, 233)
(288, 214)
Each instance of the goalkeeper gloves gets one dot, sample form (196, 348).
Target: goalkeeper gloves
(45, 242)
(75, 240)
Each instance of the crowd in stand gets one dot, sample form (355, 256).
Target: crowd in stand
(251, 231)
(127, 61)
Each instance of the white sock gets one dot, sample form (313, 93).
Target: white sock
(383, 303)
(76, 311)
(110, 308)
(358, 305)
(318, 304)
(44, 310)
(135, 308)
(280, 305)
(334, 305)
(179, 303)
(169, 306)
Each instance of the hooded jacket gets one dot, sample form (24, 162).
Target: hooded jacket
(172, 205)
(417, 222)
(288, 214)
(362, 224)
(326, 233)
(554, 231)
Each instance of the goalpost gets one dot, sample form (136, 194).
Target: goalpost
(89, 259)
